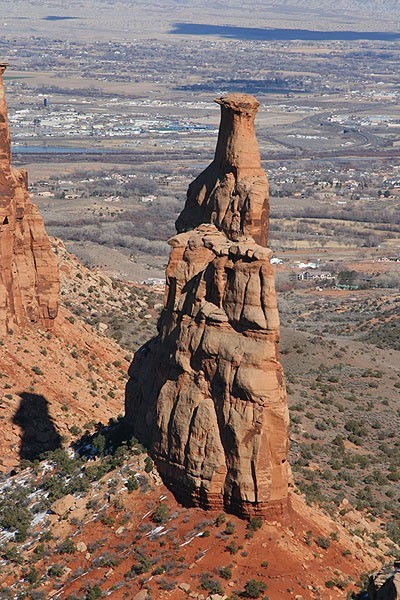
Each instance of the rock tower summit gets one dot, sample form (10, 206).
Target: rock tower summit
(207, 395)
(233, 192)
(29, 281)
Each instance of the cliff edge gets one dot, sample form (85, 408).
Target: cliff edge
(29, 280)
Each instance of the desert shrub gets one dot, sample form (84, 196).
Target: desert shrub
(308, 538)
(225, 572)
(323, 542)
(164, 584)
(11, 554)
(233, 548)
(220, 520)
(46, 536)
(55, 570)
(32, 576)
(93, 592)
(132, 484)
(254, 589)
(161, 514)
(108, 520)
(37, 370)
(213, 586)
(230, 528)
(15, 517)
(356, 427)
(393, 529)
(158, 570)
(255, 523)
(14, 513)
(143, 565)
(39, 551)
(109, 559)
(67, 547)
(148, 464)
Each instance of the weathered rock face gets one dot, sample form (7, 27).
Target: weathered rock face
(233, 192)
(29, 282)
(207, 395)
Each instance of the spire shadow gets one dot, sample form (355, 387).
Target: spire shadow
(39, 432)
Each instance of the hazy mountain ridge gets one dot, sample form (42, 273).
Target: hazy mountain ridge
(127, 18)
(348, 5)
(352, 6)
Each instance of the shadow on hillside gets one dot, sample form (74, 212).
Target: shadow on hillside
(105, 440)
(39, 432)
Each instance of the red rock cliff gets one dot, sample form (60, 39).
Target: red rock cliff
(207, 395)
(29, 282)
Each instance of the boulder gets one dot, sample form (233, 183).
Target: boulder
(142, 595)
(81, 547)
(63, 505)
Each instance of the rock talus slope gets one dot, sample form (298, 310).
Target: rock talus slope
(207, 395)
(29, 281)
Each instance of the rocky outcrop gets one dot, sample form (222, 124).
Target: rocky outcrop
(207, 395)
(29, 282)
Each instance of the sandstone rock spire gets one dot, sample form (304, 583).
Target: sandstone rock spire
(29, 282)
(233, 192)
(207, 395)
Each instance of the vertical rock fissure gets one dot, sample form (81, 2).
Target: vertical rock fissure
(192, 420)
(254, 475)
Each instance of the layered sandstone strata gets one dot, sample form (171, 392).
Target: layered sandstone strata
(207, 395)
(29, 282)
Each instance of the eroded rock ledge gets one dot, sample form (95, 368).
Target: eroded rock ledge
(207, 395)
(29, 281)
